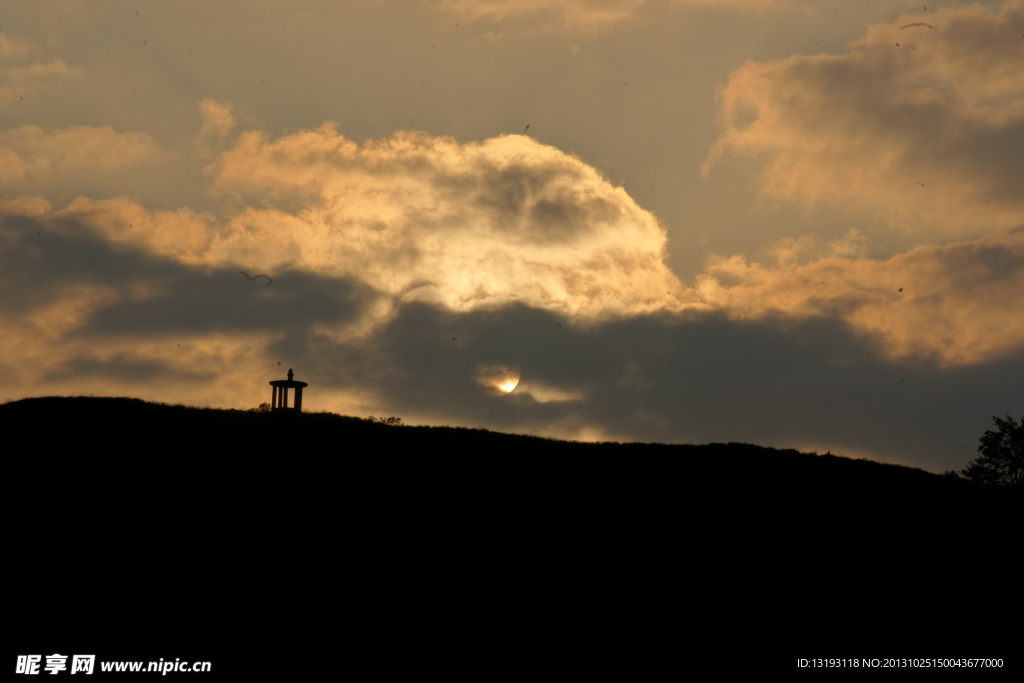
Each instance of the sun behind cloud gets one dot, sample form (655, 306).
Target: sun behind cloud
(497, 380)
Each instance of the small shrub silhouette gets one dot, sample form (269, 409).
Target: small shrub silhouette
(390, 421)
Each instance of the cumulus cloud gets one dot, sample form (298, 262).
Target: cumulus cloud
(182, 235)
(32, 157)
(921, 126)
(459, 225)
(415, 217)
(958, 302)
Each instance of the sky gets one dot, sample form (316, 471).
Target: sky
(794, 223)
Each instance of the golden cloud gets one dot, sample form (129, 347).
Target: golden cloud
(462, 226)
(30, 154)
(546, 393)
(921, 125)
(958, 302)
(181, 235)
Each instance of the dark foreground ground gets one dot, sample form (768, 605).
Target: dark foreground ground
(315, 543)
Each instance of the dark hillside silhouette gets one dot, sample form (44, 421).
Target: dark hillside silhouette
(243, 525)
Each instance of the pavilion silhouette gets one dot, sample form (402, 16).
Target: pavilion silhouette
(279, 397)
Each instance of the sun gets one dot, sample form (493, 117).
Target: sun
(508, 385)
(497, 380)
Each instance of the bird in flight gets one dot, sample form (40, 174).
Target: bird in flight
(526, 129)
(918, 23)
(269, 281)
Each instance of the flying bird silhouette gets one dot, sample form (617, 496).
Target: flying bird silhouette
(526, 129)
(269, 281)
(918, 23)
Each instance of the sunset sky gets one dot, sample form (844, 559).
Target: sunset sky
(794, 223)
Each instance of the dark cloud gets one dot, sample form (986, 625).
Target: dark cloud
(216, 301)
(812, 384)
(123, 369)
(40, 260)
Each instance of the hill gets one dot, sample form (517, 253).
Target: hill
(152, 508)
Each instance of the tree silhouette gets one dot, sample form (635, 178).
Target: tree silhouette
(1001, 454)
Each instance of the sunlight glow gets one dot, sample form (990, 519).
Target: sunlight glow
(497, 380)
(508, 385)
